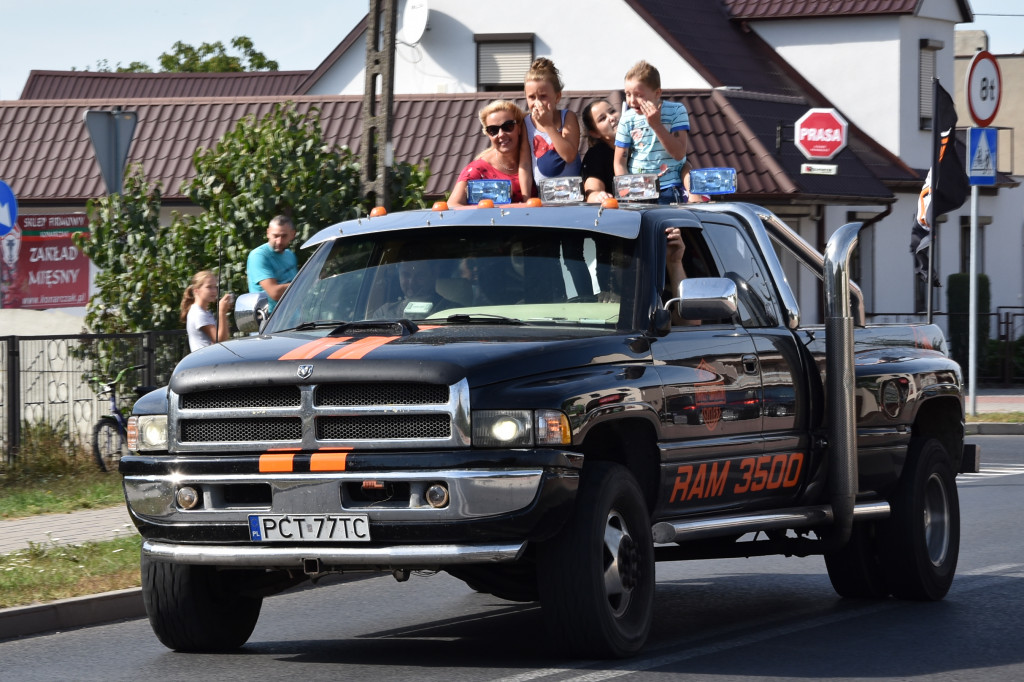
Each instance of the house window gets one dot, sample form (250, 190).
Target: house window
(502, 60)
(926, 73)
(965, 243)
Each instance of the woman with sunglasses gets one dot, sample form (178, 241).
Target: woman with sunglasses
(502, 123)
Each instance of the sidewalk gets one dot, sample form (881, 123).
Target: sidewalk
(65, 529)
(72, 528)
(106, 524)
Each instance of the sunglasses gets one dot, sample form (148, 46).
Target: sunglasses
(508, 126)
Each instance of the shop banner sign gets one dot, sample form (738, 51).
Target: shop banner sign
(40, 266)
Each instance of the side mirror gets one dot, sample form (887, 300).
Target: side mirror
(251, 312)
(705, 298)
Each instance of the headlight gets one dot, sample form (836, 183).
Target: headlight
(148, 432)
(520, 428)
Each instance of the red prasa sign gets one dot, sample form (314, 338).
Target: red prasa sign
(41, 266)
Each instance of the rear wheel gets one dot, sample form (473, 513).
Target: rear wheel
(596, 576)
(922, 539)
(108, 444)
(198, 608)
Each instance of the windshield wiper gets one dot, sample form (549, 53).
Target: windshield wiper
(481, 318)
(315, 324)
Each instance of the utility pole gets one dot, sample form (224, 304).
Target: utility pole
(376, 151)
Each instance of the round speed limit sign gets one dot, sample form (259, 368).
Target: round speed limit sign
(984, 88)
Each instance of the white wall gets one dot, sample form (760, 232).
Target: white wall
(444, 60)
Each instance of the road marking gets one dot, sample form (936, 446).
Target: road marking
(991, 471)
(989, 575)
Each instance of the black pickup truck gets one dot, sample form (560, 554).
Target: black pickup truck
(513, 395)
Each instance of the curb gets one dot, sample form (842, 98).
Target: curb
(19, 621)
(994, 429)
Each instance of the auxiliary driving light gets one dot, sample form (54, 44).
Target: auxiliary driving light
(437, 495)
(187, 497)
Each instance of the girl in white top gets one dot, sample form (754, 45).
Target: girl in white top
(552, 140)
(203, 329)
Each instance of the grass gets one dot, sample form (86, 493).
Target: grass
(48, 572)
(1000, 417)
(53, 473)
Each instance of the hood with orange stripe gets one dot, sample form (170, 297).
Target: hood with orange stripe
(446, 354)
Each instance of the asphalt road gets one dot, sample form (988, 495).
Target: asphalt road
(766, 618)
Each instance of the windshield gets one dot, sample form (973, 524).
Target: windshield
(475, 275)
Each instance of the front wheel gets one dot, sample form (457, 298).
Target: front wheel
(198, 608)
(596, 577)
(108, 444)
(857, 570)
(923, 534)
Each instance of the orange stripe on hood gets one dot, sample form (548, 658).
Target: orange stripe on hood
(313, 348)
(358, 349)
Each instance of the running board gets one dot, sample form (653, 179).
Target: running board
(799, 517)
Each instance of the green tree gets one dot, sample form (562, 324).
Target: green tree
(207, 58)
(277, 164)
(135, 256)
(214, 58)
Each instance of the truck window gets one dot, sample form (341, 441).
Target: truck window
(738, 260)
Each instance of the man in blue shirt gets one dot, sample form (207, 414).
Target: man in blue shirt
(272, 266)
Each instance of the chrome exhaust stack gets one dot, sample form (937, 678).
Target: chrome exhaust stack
(840, 381)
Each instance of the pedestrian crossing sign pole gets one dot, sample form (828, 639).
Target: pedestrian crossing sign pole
(981, 170)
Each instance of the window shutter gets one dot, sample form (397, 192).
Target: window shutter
(503, 63)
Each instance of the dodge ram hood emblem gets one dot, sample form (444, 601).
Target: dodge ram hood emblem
(305, 371)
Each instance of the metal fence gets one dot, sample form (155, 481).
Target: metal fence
(45, 379)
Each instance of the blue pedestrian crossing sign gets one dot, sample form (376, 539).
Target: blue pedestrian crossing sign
(8, 208)
(981, 156)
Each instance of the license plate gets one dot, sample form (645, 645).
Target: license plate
(309, 528)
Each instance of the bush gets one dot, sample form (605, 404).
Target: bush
(47, 451)
(958, 288)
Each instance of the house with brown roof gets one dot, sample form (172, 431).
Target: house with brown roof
(745, 69)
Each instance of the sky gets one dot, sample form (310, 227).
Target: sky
(61, 34)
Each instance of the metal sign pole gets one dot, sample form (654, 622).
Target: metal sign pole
(972, 308)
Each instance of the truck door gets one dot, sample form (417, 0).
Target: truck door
(712, 406)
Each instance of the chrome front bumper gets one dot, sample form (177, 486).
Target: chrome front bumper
(424, 557)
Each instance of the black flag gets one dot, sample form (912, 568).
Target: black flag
(946, 186)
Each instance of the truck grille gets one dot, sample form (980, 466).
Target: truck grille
(380, 394)
(364, 415)
(266, 396)
(383, 426)
(237, 430)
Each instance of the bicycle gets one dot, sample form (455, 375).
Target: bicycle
(110, 434)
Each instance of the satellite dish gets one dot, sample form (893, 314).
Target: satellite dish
(412, 21)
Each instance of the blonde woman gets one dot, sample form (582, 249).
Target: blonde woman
(502, 123)
(203, 329)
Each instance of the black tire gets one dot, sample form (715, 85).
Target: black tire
(108, 444)
(596, 577)
(198, 608)
(857, 570)
(923, 533)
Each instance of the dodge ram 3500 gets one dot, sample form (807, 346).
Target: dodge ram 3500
(513, 395)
